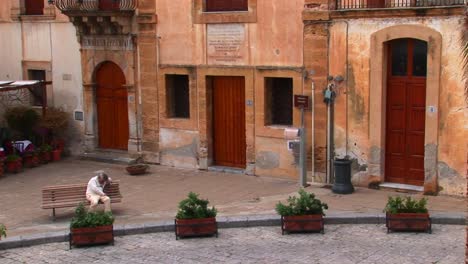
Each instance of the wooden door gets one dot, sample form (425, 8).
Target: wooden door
(112, 107)
(406, 111)
(229, 135)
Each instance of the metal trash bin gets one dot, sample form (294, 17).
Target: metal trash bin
(342, 183)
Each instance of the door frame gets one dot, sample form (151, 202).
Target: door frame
(205, 106)
(377, 102)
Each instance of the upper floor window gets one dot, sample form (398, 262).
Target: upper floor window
(34, 7)
(226, 5)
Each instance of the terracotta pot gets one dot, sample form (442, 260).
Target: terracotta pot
(409, 222)
(28, 161)
(36, 161)
(137, 169)
(88, 236)
(196, 227)
(14, 166)
(302, 223)
(56, 155)
(45, 157)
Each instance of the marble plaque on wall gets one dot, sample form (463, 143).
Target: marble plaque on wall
(226, 44)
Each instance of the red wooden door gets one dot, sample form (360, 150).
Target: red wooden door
(112, 107)
(229, 135)
(406, 111)
(34, 7)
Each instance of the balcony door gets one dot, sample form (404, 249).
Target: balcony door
(406, 111)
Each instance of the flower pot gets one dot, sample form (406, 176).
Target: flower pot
(137, 169)
(2, 166)
(14, 166)
(56, 155)
(45, 157)
(196, 227)
(415, 222)
(88, 236)
(36, 161)
(302, 223)
(28, 161)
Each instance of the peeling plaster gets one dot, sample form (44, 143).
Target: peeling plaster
(190, 150)
(268, 160)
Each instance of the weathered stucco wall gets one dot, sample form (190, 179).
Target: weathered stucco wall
(352, 108)
(45, 44)
(275, 39)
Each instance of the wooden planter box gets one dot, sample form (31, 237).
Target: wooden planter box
(409, 222)
(196, 227)
(28, 161)
(89, 236)
(45, 157)
(302, 224)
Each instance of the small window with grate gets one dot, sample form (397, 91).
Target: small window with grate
(37, 92)
(279, 101)
(177, 96)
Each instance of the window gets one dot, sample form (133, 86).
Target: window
(178, 96)
(226, 5)
(38, 93)
(34, 7)
(279, 101)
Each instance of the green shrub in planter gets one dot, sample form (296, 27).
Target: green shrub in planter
(195, 208)
(407, 214)
(2, 231)
(302, 214)
(84, 218)
(195, 219)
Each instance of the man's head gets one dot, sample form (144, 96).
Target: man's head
(103, 178)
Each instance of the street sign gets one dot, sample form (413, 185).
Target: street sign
(301, 101)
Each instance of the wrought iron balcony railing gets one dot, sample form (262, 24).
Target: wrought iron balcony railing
(363, 4)
(95, 5)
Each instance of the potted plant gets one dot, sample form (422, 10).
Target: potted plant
(28, 159)
(195, 219)
(137, 169)
(56, 154)
(2, 231)
(303, 214)
(91, 228)
(407, 214)
(13, 163)
(45, 153)
(2, 166)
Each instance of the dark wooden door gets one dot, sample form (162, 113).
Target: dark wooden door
(229, 135)
(112, 107)
(34, 7)
(406, 111)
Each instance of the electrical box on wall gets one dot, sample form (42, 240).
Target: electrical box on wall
(79, 115)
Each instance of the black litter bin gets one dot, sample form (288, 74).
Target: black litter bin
(342, 183)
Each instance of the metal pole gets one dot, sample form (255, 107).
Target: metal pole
(302, 153)
(332, 141)
(328, 177)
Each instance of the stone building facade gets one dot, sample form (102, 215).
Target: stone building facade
(38, 42)
(210, 84)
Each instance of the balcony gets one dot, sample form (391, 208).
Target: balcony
(94, 6)
(368, 4)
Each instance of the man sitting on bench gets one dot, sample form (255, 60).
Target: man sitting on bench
(95, 191)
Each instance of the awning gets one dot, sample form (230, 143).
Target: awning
(30, 85)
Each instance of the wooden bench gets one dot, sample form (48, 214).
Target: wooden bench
(63, 196)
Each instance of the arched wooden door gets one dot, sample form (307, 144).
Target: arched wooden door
(406, 111)
(112, 107)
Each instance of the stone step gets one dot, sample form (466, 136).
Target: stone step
(226, 169)
(109, 157)
(405, 188)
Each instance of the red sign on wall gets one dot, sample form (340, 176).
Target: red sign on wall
(301, 101)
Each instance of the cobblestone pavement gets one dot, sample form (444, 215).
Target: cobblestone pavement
(341, 244)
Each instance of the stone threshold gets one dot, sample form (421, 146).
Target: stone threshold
(108, 156)
(223, 222)
(226, 169)
(401, 187)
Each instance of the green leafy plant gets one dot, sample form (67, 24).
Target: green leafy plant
(56, 120)
(23, 120)
(84, 218)
(397, 205)
(3, 231)
(46, 148)
(195, 208)
(12, 158)
(305, 204)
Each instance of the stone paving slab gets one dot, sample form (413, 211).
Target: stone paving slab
(341, 244)
(154, 196)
